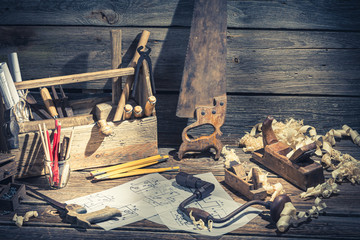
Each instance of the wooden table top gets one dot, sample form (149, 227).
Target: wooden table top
(340, 219)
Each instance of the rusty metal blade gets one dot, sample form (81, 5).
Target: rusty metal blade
(205, 63)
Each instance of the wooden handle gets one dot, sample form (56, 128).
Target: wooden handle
(85, 220)
(138, 112)
(115, 36)
(128, 111)
(150, 105)
(129, 81)
(49, 104)
(267, 131)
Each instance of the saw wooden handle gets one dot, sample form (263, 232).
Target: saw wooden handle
(214, 116)
(49, 104)
(129, 81)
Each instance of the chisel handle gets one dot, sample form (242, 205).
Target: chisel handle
(129, 81)
(128, 111)
(138, 112)
(49, 104)
(150, 105)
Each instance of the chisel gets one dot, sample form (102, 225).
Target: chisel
(77, 214)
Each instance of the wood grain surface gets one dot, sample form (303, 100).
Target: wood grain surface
(290, 14)
(262, 61)
(339, 222)
(285, 58)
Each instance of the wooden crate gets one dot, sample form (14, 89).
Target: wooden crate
(130, 139)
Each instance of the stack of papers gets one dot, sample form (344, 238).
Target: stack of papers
(155, 198)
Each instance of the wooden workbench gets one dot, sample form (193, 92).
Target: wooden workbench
(339, 221)
(286, 58)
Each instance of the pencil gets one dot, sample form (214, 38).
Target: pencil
(125, 165)
(128, 169)
(47, 154)
(139, 172)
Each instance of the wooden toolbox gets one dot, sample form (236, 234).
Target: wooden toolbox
(130, 139)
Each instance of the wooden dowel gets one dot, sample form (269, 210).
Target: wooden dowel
(115, 36)
(75, 78)
(46, 151)
(119, 114)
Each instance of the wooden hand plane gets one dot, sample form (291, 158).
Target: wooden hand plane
(299, 169)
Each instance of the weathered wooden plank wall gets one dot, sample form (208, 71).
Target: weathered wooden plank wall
(286, 58)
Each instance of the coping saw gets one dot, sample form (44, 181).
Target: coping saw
(203, 87)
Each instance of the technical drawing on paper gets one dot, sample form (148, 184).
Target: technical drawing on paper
(97, 200)
(155, 192)
(144, 186)
(180, 218)
(128, 212)
(161, 196)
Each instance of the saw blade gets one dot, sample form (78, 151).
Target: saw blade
(204, 70)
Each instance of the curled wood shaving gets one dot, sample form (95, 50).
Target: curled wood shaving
(200, 223)
(30, 214)
(229, 156)
(295, 134)
(19, 220)
(325, 190)
(289, 216)
(251, 143)
(273, 190)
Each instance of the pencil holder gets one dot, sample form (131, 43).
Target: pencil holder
(57, 177)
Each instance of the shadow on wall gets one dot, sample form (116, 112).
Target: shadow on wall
(169, 68)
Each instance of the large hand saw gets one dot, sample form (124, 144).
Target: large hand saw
(203, 86)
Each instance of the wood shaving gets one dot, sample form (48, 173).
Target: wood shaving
(230, 157)
(273, 190)
(19, 220)
(251, 143)
(289, 216)
(325, 190)
(295, 134)
(30, 214)
(200, 224)
(286, 215)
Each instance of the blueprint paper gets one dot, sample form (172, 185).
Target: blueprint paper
(128, 198)
(157, 199)
(218, 204)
